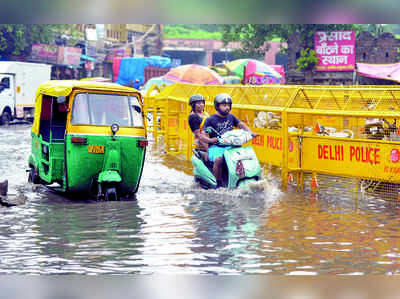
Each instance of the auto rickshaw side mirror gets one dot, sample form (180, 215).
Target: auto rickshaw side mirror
(61, 99)
(137, 108)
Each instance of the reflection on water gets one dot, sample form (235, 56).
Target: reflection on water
(176, 227)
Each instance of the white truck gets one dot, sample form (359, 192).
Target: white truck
(19, 82)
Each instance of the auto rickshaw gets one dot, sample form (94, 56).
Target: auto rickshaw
(88, 137)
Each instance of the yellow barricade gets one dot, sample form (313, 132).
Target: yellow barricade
(347, 131)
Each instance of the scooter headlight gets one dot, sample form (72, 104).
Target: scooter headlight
(114, 128)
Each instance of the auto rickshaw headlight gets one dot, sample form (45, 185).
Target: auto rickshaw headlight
(114, 128)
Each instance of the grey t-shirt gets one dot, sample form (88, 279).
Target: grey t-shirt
(220, 124)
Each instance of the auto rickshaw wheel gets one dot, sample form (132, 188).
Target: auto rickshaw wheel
(100, 194)
(111, 194)
(128, 195)
(5, 119)
(32, 177)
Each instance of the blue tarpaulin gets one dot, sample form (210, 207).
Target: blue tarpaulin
(158, 61)
(132, 68)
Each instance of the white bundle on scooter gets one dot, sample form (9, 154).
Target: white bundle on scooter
(235, 137)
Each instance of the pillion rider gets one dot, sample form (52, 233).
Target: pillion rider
(222, 122)
(196, 119)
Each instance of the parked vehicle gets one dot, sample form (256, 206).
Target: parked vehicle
(18, 84)
(88, 137)
(240, 164)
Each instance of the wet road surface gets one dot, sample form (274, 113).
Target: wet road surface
(175, 227)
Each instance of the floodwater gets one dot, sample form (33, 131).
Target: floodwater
(175, 227)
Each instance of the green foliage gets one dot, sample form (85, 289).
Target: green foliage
(208, 31)
(17, 39)
(378, 29)
(251, 36)
(307, 60)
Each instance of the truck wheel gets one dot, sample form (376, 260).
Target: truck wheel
(5, 118)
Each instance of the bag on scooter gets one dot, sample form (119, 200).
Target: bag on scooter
(235, 137)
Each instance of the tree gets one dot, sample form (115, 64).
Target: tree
(307, 61)
(17, 39)
(251, 36)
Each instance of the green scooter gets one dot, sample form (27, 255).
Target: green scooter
(240, 164)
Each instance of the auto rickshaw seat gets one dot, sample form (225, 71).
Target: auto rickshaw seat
(58, 131)
(44, 130)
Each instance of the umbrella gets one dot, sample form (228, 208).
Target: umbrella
(220, 70)
(193, 73)
(159, 81)
(231, 79)
(252, 66)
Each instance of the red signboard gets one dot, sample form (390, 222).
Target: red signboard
(69, 55)
(89, 65)
(120, 52)
(336, 50)
(44, 53)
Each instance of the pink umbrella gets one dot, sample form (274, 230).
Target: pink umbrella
(194, 73)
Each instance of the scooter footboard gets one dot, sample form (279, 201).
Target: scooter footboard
(200, 170)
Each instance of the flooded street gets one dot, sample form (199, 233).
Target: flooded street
(176, 227)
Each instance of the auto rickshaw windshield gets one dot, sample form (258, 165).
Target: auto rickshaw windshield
(106, 109)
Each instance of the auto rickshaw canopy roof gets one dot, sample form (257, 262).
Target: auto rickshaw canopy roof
(56, 88)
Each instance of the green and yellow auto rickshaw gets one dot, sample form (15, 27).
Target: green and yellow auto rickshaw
(88, 137)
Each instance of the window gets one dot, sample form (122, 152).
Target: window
(5, 82)
(136, 112)
(80, 110)
(106, 109)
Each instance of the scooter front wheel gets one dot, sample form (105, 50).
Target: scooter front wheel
(203, 184)
(244, 183)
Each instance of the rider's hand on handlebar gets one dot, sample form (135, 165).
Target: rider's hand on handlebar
(214, 140)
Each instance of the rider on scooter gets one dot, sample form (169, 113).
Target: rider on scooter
(196, 119)
(222, 122)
